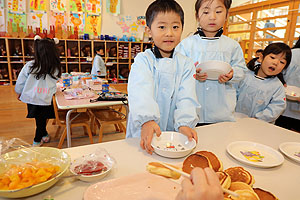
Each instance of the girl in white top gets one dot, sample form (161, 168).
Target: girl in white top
(36, 84)
(216, 97)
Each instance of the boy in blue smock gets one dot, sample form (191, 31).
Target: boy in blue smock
(216, 97)
(98, 68)
(161, 88)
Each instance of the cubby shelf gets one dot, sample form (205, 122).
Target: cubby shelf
(75, 56)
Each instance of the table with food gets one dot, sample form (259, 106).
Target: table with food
(254, 160)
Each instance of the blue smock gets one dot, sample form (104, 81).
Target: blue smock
(217, 100)
(98, 66)
(162, 90)
(261, 98)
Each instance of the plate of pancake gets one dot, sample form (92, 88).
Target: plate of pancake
(291, 150)
(255, 154)
(292, 93)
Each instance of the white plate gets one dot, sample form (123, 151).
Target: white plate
(214, 68)
(292, 92)
(291, 150)
(172, 144)
(255, 154)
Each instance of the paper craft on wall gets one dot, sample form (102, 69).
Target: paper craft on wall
(58, 19)
(2, 20)
(38, 19)
(58, 5)
(113, 6)
(93, 24)
(76, 5)
(16, 18)
(77, 20)
(93, 6)
(38, 4)
(16, 5)
(2, 3)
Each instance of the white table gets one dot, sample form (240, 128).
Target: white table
(80, 105)
(283, 181)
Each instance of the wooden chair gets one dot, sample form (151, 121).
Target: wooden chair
(81, 119)
(107, 115)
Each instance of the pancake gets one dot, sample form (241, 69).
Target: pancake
(213, 159)
(224, 179)
(195, 160)
(239, 174)
(240, 186)
(245, 195)
(264, 195)
(159, 169)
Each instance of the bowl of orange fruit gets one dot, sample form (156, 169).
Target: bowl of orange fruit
(29, 171)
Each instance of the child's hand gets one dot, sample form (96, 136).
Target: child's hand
(148, 129)
(200, 76)
(189, 132)
(226, 77)
(204, 184)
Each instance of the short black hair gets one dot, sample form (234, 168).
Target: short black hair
(278, 48)
(259, 51)
(227, 4)
(163, 6)
(97, 48)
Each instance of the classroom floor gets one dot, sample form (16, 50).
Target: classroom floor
(14, 124)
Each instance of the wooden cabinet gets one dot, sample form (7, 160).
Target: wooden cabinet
(75, 56)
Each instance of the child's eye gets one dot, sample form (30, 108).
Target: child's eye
(282, 62)
(272, 57)
(175, 27)
(205, 12)
(219, 12)
(161, 27)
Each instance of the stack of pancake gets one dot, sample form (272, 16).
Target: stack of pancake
(236, 179)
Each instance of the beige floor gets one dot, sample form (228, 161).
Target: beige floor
(13, 123)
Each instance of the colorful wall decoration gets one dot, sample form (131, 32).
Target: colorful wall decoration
(58, 5)
(58, 19)
(38, 5)
(132, 26)
(113, 6)
(93, 6)
(93, 24)
(17, 18)
(2, 20)
(77, 20)
(1, 3)
(38, 19)
(16, 5)
(76, 5)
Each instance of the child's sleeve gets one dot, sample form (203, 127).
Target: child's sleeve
(238, 64)
(23, 75)
(142, 105)
(187, 106)
(275, 108)
(96, 66)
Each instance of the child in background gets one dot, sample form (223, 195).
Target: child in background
(290, 119)
(217, 98)
(253, 63)
(161, 88)
(36, 84)
(261, 94)
(98, 68)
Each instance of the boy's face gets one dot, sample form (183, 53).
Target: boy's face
(212, 15)
(165, 31)
(272, 65)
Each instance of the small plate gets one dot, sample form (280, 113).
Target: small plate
(172, 144)
(291, 150)
(214, 68)
(255, 154)
(292, 92)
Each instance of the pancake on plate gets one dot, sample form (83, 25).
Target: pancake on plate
(213, 159)
(239, 174)
(224, 179)
(159, 169)
(195, 160)
(264, 195)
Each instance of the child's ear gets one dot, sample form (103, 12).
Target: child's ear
(148, 31)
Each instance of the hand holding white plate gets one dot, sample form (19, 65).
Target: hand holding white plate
(255, 154)
(172, 144)
(214, 68)
(291, 150)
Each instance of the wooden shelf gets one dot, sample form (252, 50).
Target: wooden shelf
(71, 62)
